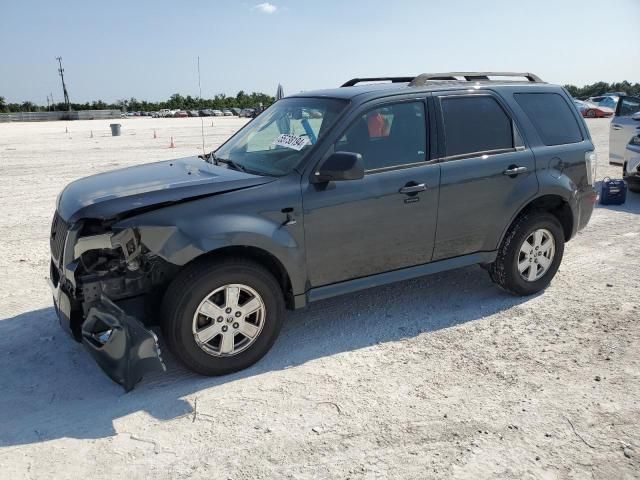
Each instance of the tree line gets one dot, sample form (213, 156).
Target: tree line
(599, 88)
(250, 100)
(175, 102)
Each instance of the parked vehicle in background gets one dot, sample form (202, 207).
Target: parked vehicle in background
(217, 113)
(591, 110)
(165, 112)
(604, 101)
(206, 112)
(631, 166)
(180, 114)
(624, 125)
(236, 111)
(227, 113)
(393, 181)
(193, 113)
(247, 112)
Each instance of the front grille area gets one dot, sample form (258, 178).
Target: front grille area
(59, 229)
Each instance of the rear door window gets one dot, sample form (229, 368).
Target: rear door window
(474, 125)
(552, 117)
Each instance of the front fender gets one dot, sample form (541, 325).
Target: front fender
(182, 233)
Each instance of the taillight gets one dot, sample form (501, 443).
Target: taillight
(591, 160)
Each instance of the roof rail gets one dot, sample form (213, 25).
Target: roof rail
(422, 79)
(355, 81)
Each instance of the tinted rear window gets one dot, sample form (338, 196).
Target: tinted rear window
(475, 124)
(552, 116)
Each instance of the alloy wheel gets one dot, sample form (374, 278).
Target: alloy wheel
(536, 255)
(229, 320)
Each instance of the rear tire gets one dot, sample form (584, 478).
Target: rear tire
(206, 284)
(514, 255)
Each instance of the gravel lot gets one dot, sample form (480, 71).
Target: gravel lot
(440, 377)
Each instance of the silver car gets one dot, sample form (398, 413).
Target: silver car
(625, 125)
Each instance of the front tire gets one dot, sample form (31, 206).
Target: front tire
(222, 316)
(529, 255)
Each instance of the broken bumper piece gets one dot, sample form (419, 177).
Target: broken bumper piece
(120, 344)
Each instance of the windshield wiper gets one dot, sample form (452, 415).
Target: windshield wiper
(231, 163)
(214, 159)
(209, 158)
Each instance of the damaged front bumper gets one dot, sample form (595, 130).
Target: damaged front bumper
(120, 344)
(117, 341)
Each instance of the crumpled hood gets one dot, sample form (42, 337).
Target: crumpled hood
(109, 194)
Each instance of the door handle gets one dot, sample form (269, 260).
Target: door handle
(413, 188)
(616, 127)
(513, 170)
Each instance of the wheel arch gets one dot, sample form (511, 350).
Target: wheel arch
(551, 203)
(260, 256)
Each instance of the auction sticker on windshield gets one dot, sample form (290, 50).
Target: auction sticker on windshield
(291, 141)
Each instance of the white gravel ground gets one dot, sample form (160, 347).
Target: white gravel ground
(441, 377)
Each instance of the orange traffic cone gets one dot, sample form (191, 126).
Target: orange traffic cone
(172, 145)
(154, 134)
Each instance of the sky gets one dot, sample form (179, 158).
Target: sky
(148, 49)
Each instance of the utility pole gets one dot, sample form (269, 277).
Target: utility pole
(64, 87)
(52, 102)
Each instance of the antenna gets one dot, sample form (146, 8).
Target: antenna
(200, 102)
(64, 87)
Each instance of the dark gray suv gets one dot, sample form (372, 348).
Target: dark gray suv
(324, 193)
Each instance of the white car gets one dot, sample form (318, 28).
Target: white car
(217, 113)
(165, 112)
(631, 167)
(609, 101)
(624, 125)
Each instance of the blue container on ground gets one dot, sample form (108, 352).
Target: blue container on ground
(613, 192)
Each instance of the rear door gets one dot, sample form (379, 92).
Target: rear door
(625, 124)
(487, 174)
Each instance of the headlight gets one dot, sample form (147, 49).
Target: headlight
(591, 160)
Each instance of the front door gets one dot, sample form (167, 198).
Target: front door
(385, 221)
(625, 124)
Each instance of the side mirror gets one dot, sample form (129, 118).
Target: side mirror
(340, 166)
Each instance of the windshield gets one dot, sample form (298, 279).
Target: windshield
(277, 140)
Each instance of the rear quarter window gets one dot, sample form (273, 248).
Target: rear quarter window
(552, 117)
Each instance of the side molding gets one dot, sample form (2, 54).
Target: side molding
(349, 286)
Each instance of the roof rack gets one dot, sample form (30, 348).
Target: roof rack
(422, 79)
(355, 81)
